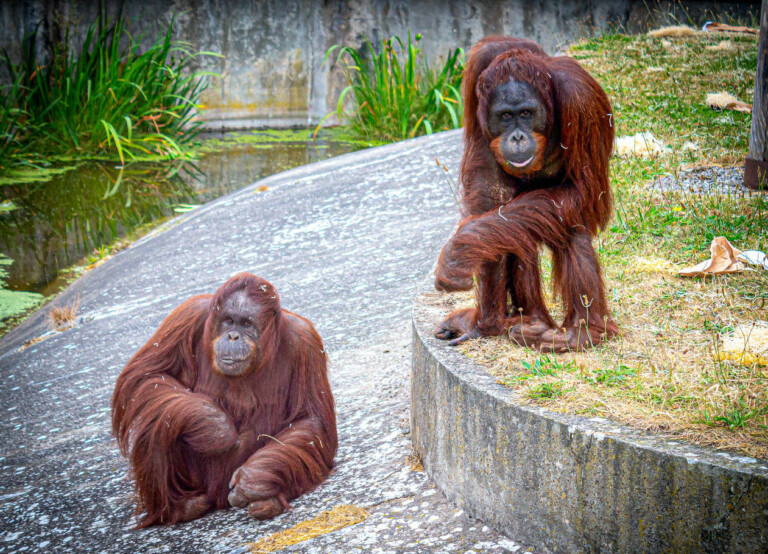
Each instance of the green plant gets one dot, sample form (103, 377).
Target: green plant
(547, 365)
(547, 390)
(106, 98)
(735, 419)
(613, 377)
(99, 253)
(395, 93)
(9, 123)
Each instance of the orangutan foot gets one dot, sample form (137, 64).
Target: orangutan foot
(269, 508)
(195, 507)
(458, 327)
(530, 331)
(539, 336)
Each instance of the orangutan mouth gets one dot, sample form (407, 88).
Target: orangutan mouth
(521, 164)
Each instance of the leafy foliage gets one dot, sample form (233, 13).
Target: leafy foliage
(394, 93)
(104, 99)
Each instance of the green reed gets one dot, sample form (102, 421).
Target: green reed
(393, 91)
(107, 98)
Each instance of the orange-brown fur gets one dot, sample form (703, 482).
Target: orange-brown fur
(538, 158)
(188, 431)
(560, 202)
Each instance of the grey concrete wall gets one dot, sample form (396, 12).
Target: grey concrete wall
(273, 49)
(571, 484)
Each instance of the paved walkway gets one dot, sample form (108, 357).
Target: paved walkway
(346, 242)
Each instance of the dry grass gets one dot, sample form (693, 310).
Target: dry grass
(62, 316)
(414, 462)
(674, 31)
(725, 45)
(662, 89)
(669, 371)
(31, 342)
(326, 522)
(691, 358)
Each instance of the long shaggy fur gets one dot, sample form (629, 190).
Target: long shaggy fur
(561, 201)
(186, 429)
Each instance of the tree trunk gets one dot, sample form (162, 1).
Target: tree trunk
(756, 166)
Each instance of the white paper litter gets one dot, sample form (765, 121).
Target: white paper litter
(755, 257)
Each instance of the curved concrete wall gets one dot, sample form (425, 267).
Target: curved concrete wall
(568, 484)
(273, 49)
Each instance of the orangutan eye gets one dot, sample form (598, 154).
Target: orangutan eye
(228, 320)
(246, 323)
(506, 116)
(526, 114)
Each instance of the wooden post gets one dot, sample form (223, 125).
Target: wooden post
(756, 165)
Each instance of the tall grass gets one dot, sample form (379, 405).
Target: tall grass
(395, 93)
(108, 98)
(10, 114)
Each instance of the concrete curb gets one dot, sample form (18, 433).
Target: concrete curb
(571, 484)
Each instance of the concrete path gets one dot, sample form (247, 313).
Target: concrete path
(346, 242)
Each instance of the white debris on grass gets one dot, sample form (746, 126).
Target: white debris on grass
(722, 46)
(726, 101)
(674, 31)
(641, 144)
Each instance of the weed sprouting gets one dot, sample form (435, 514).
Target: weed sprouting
(612, 377)
(62, 315)
(547, 390)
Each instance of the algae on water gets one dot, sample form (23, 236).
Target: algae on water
(267, 138)
(14, 302)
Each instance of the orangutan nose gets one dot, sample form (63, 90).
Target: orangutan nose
(233, 335)
(517, 135)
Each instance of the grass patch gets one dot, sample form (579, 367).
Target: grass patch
(674, 370)
(394, 93)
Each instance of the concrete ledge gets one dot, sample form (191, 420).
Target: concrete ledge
(571, 484)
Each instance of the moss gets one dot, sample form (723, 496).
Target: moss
(14, 302)
(36, 169)
(264, 138)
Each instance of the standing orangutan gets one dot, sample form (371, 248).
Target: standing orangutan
(538, 136)
(227, 404)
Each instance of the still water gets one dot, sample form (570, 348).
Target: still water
(49, 226)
